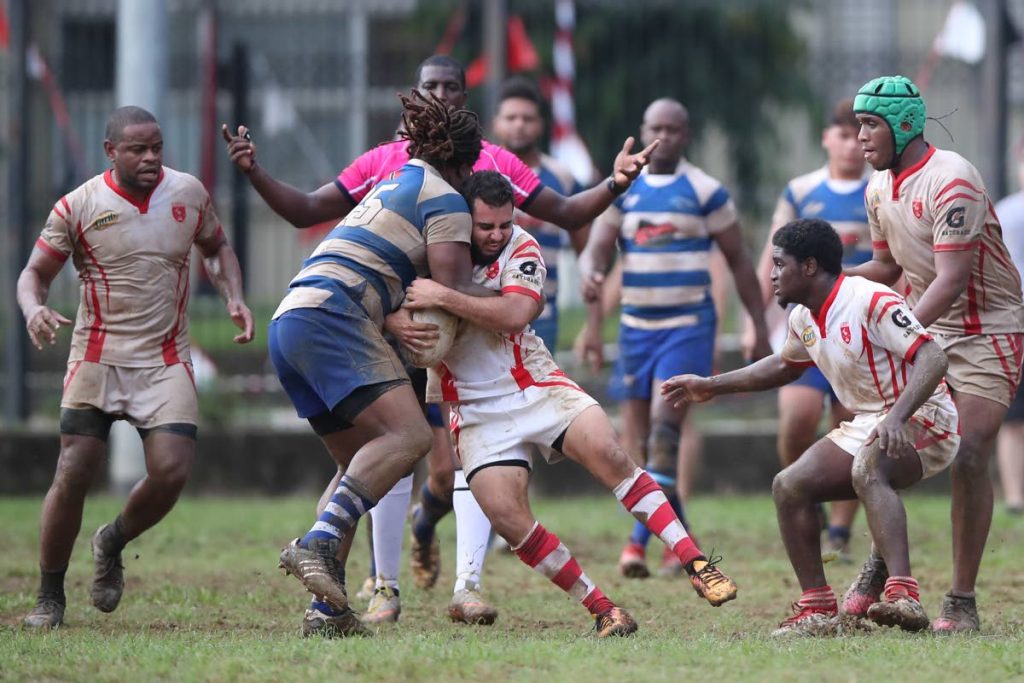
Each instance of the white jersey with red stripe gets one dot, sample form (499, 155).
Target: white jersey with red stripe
(862, 340)
(133, 260)
(940, 205)
(483, 363)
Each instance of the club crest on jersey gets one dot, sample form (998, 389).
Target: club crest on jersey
(178, 211)
(104, 220)
(844, 331)
(493, 270)
(808, 336)
(918, 207)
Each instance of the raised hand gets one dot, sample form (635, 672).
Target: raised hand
(628, 166)
(241, 148)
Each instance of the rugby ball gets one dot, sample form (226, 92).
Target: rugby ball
(447, 325)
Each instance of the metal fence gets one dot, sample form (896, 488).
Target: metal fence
(317, 98)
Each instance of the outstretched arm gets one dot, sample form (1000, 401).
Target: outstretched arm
(299, 208)
(508, 313)
(41, 321)
(766, 373)
(221, 264)
(573, 213)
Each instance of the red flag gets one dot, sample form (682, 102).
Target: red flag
(5, 32)
(521, 55)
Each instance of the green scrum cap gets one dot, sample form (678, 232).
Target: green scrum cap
(897, 100)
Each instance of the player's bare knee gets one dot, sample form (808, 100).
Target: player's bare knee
(783, 489)
(662, 446)
(76, 469)
(416, 438)
(971, 460)
(171, 472)
(442, 480)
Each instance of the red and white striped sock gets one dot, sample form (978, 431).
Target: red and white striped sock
(645, 500)
(820, 599)
(543, 551)
(902, 587)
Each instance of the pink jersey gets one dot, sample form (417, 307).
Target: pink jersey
(937, 205)
(133, 262)
(483, 363)
(862, 340)
(375, 165)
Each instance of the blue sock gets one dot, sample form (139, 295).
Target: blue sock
(347, 505)
(324, 608)
(840, 532)
(431, 510)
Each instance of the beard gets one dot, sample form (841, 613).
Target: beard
(479, 258)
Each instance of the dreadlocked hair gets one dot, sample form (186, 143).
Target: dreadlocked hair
(440, 135)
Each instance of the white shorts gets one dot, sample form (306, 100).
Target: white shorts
(504, 430)
(935, 429)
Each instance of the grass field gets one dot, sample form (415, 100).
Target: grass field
(205, 602)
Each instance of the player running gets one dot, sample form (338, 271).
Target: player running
(885, 368)
(129, 232)
(833, 193)
(932, 221)
(507, 396)
(665, 225)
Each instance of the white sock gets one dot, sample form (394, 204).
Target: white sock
(388, 531)
(472, 533)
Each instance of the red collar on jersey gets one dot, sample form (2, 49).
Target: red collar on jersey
(143, 206)
(898, 179)
(823, 313)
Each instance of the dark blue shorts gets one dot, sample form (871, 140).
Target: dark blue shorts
(647, 356)
(322, 356)
(813, 378)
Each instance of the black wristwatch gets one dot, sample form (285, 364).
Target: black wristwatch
(614, 187)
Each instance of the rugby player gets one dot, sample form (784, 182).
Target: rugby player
(665, 225)
(444, 78)
(834, 193)
(885, 368)
(130, 232)
(507, 396)
(932, 221)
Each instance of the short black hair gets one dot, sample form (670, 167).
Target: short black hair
(814, 238)
(123, 117)
(520, 87)
(490, 187)
(443, 61)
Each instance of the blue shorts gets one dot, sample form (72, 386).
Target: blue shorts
(322, 356)
(813, 378)
(547, 330)
(648, 356)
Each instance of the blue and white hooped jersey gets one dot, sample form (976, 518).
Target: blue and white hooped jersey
(840, 202)
(552, 239)
(666, 227)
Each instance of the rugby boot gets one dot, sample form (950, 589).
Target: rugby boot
(317, 568)
(48, 613)
(671, 566)
(807, 621)
(424, 558)
(959, 615)
(867, 587)
(710, 583)
(614, 622)
(332, 624)
(467, 606)
(384, 607)
(108, 580)
(366, 590)
(633, 562)
(900, 606)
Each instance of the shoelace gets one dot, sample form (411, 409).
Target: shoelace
(710, 573)
(800, 611)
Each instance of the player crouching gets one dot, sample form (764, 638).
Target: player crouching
(507, 396)
(887, 370)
